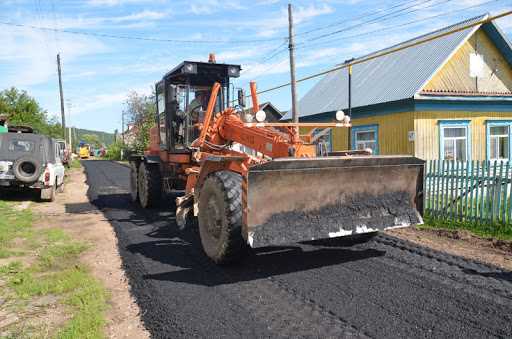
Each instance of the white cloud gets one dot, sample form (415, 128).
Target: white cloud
(254, 70)
(96, 102)
(31, 54)
(239, 54)
(111, 3)
(301, 14)
(85, 22)
(205, 7)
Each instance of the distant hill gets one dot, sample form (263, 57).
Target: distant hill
(105, 138)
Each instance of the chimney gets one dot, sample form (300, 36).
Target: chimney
(211, 58)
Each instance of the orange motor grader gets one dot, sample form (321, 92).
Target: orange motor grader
(252, 183)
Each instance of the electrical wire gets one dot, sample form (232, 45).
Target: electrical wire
(391, 51)
(361, 16)
(386, 17)
(125, 37)
(394, 27)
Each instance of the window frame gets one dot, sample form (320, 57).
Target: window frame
(329, 136)
(364, 128)
(497, 123)
(455, 124)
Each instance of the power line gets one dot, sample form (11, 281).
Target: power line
(374, 20)
(361, 16)
(55, 35)
(385, 17)
(272, 54)
(394, 27)
(125, 37)
(391, 50)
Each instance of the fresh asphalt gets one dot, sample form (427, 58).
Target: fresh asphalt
(386, 288)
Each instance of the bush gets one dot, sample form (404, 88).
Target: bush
(114, 151)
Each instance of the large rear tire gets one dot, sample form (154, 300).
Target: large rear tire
(149, 184)
(220, 217)
(134, 189)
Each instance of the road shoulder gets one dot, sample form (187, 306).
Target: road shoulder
(460, 243)
(73, 212)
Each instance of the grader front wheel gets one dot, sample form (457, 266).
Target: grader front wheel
(149, 185)
(220, 217)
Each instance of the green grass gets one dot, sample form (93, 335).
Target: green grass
(486, 230)
(56, 271)
(75, 164)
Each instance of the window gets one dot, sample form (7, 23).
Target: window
(454, 140)
(323, 140)
(364, 137)
(498, 140)
(21, 146)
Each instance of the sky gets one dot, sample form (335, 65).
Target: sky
(99, 71)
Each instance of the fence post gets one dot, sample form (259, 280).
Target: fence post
(504, 184)
(509, 186)
(482, 201)
(467, 190)
(498, 193)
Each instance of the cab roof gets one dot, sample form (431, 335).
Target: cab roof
(202, 73)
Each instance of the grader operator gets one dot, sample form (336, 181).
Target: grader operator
(279, 192)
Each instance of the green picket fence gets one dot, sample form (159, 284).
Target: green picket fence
(476, 191)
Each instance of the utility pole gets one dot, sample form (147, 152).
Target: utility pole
(291, 47)
(62, 113)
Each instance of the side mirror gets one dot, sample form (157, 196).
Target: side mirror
(241, 97)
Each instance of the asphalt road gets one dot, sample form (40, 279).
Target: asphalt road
(386, 288)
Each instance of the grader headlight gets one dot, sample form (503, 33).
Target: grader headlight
(261, 116)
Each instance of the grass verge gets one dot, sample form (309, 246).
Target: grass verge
(491, 230)
(75, 164)
(44, 264)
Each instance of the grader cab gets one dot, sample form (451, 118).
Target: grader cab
(252, 183)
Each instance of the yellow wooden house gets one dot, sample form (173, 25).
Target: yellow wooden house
(450, 98)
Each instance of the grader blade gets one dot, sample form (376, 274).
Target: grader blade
(291, 200)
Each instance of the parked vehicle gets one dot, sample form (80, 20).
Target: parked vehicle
(64, 152)
(85, 151)
(31, 161)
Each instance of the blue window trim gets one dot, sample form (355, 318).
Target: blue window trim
(373, 127)
(330, 140)
(454, 123)
(492, 123)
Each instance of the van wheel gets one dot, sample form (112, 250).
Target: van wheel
(220, 217)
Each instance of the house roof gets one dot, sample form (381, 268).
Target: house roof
(268, 107)
(393, 77)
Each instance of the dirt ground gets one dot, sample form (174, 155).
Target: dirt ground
(72, 212)
(461, 243)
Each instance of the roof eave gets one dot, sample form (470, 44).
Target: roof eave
(463, 97)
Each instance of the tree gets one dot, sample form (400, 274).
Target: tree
(23, 109)
(92, 139)
(140, 112)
